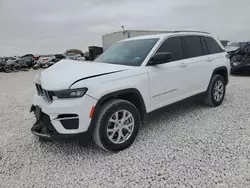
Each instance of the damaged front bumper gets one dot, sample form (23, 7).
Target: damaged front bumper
(43, 128)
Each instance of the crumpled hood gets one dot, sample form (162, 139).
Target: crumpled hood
(67, 72)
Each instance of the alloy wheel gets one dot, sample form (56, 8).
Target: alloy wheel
(120, 126)
(218, 90)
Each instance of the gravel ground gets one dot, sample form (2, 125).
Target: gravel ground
(188, 145)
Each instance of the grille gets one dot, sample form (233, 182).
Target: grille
(47, 95)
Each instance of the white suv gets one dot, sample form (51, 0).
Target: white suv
(107, 99)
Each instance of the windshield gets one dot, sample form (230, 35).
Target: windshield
(27, 58)
(132, 52)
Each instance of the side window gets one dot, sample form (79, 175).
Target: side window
(174, 46)
(213, 46)
(192, 46)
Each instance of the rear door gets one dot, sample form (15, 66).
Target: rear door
(197, 69)
(216, 56)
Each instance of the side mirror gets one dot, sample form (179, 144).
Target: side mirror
(160, 58)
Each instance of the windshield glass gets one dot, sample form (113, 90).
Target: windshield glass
(27, 58)
(131, 53)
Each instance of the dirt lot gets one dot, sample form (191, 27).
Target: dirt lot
(188, 145)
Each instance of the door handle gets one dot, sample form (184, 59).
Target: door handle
(183, 65)
(209, 60)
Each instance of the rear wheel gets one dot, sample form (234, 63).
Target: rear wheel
(117, 125)
(216, 91)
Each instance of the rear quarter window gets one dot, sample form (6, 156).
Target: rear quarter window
(213, 46)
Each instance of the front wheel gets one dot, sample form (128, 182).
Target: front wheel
(117, 125)
(216, 91)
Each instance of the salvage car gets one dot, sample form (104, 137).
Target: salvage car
(59, 57)
(72, 56)
(28, 59)
(45, 61)
(240, 59)
(109, 98)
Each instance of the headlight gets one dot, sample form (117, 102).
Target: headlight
(70, 93)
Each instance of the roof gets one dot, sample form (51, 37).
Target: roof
(164, 35)
(160, 31)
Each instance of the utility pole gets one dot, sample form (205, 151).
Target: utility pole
(124, 31)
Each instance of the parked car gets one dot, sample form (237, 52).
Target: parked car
(109, 98)
(27, 60)
(72, 56)
(46, 61)
(86, 55)
(240, 59)
(59, 57)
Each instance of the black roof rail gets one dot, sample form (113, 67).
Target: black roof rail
(190, 31)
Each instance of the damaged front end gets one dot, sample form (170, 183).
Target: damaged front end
(43, 127)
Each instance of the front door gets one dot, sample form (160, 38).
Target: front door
(166, 82)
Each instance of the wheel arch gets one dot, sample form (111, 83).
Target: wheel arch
(221, 71)
(132, 95)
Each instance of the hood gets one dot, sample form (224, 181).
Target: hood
(65, 73)
(231, 48)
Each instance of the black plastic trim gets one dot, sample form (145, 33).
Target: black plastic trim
(94, 76)
(67, 116)
(70, 124)
(224, 68)
(114, 95)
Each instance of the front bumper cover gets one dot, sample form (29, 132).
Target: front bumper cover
(244, 66)
(43, 128)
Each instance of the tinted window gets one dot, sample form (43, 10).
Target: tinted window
(131, 52)
(174, 46)
(192, 46)
(213, 46)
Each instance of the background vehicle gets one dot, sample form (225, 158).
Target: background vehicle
(59, 57)
(240, 59)
(72, 56)
(80, 58)
(27, 60)
(86, 56)
(46, 61)
(108, 99)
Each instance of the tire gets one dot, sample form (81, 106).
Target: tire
(116, 108)
(211, 99)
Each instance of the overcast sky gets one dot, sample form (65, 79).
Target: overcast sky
(52, 26)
